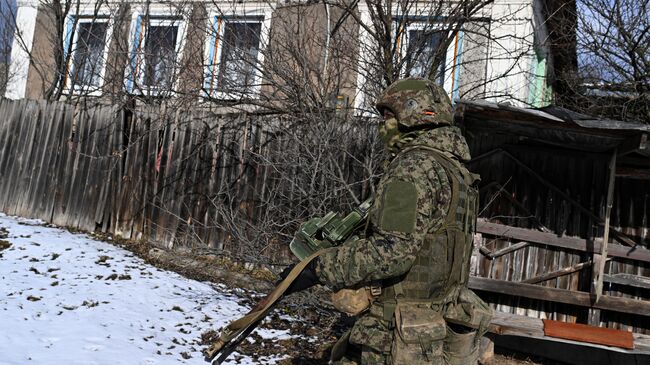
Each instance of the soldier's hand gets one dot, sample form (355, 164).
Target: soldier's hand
(283, 275)
(305, 280)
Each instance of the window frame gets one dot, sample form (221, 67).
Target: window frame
(214, 41)
(449, 69)
(362, 104)
(135, 69)
(72, 37)
(404, 46)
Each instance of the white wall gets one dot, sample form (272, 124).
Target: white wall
(21, 48)
(511, 52)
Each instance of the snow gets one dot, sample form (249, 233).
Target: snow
(68, 299)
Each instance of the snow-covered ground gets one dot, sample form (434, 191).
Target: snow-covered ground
(68, 299)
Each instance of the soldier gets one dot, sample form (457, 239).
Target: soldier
(414, 259)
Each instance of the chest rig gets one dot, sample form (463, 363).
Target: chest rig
(442, 265)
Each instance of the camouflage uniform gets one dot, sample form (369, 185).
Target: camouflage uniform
(417, 250)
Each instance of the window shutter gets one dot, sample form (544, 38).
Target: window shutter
(210, 76)
(135, 54)
(456, 76)
(69, 30)
(68, 35)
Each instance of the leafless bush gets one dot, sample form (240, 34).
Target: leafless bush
(609, 74)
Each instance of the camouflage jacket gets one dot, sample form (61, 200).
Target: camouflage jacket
(396, 235)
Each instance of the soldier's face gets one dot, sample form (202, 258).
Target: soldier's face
(388, 130)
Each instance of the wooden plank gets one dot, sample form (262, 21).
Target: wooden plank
(633, 173)
(42, 163)
(183, 147)
(504, 251)
(212, 216)
(140, 174)
(118, 159)
(83, 186)
(628, 279)
(65, 168)
(600, 257)
(557, 273)
(532, 236)
(591, 334)
(123, 201)
(22, 130)
(517, 325)
(7, 137)
(28, 169)
(13, 155)
(550, 239)
(582, 299)
(199, 212)
(142, 218)
(47, 189)
(24, 151)
(13, 130)
(129, 182)
(75, 186)
(93, 160)
(194, 192)
(103, 170)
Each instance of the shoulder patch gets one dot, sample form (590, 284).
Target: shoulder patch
(399, 207)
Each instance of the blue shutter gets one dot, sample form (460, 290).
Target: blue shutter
(211, 66)
(459, 54)
(135, 54)
(68, 35)
(70, 20)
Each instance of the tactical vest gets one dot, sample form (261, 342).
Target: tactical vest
(442, 265)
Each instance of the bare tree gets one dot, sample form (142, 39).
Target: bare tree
(610, 72)
(613, 49)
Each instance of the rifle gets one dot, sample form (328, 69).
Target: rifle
(311, 238)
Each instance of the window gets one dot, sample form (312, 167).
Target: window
(7, 25)
(418, 40)
(155, 54)
(88, 59)
(160, 55)
(421, 44)
(234, 57)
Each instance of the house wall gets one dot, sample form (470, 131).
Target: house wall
(500, 57)
(301, 55)
(191, 66)
(511, 52)
(42, 66)
(118, 52)
(471, 64)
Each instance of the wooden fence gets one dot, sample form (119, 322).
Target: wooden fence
(233, 182)
(542, 230)
(242, 183)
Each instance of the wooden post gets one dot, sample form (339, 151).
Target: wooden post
(600, 259)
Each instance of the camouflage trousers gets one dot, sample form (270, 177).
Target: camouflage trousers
(401, 341)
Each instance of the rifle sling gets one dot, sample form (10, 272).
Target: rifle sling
(238, 326)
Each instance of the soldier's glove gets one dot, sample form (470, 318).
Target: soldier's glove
(305, 280)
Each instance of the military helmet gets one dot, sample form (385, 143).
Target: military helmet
(416, 102)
